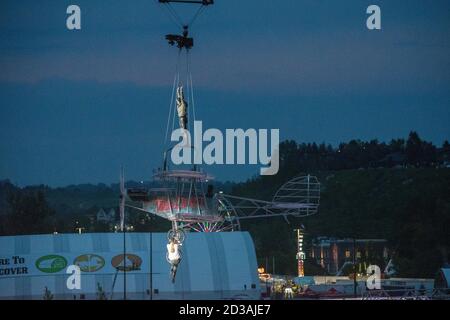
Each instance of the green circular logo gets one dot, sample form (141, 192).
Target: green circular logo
(51, 263)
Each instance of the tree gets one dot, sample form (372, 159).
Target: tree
(397, 145)
(29, 213)
(101, 295)
(414, 149)
(47, 294)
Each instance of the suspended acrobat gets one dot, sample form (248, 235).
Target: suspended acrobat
(174, 256)
(182, 108)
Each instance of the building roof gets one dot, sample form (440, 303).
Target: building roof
(324, 241)
(445, 277)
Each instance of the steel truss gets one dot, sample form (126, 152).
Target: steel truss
(298, 197)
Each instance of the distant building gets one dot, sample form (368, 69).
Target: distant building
(334, 255)
(396, 159)
(442, 280)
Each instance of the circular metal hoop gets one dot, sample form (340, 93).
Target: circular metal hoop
(178, 235)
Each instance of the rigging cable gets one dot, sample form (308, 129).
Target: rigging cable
(175, 84)
(199, 11)
(170, 109)
(191, 87)
(173, 14)
(177, 19)
(175, 110)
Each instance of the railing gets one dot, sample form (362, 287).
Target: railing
(407, 294)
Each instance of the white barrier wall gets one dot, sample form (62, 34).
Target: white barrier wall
(214, 266)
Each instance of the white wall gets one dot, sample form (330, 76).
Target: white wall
(214, 266)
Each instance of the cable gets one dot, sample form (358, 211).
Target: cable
(177, 19)
(199, 11)
(175, 114)
(188, 90)
(170, 109)
(175, 14)
(175, 84)
(191, 87)
(173, 117)
(172, 14)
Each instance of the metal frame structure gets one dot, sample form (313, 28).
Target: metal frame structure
(202, 2)
(299, 197)
(183, 200)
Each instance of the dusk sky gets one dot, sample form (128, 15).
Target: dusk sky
(76, 105)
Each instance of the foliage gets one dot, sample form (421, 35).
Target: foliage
(29, 213)
(47, 294)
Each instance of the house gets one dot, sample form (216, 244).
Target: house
(334, 255)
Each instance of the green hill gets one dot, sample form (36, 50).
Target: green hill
(408, 207)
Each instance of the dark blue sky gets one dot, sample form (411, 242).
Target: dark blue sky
(75, 105)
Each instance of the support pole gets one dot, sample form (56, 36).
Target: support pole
(124, 264)
(354, 268)
(151, 258)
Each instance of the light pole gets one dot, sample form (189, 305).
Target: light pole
(354, 268)
(151, 257)
(124, 263)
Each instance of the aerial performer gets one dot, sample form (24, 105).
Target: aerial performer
(182, 108)
(174, 256)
